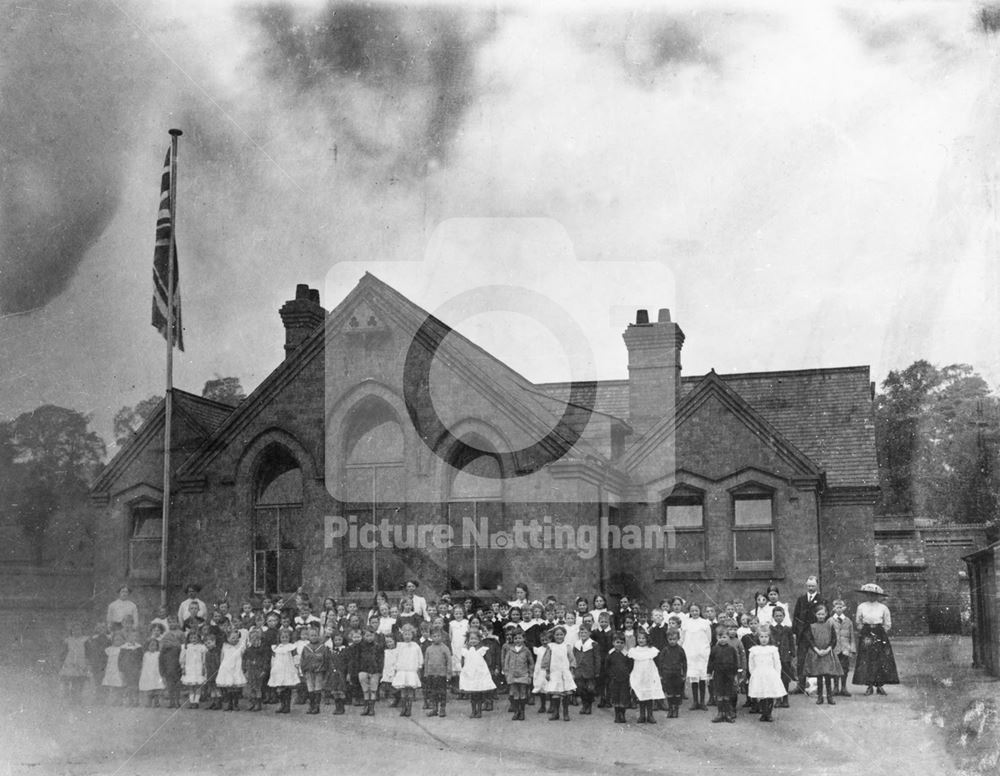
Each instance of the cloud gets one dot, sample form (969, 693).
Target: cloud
(71, 72)
(394, 81)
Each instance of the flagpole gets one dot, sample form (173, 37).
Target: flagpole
(168, 400)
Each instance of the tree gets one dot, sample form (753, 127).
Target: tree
(224, 389)
(128, 420)
(50, 457)
(937, 432)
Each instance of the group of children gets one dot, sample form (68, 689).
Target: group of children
(536, 653)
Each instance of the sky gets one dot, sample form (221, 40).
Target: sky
(803, 185)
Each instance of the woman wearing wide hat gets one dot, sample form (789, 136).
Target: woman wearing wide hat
(875, 665)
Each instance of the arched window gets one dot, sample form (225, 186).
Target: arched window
(475, 511)
(277, 558)
(375, 488)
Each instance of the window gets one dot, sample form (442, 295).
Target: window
(375, 484)
(685, 519)
(277, 559)
(753, 530)
(145, 540)
(475, 511)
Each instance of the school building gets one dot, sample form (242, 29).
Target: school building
(383, 437)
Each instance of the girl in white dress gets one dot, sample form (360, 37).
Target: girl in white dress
(645, 676)
(150, 680)
(474, 675)
(458, 632)
(193, 666)
(75, 668)
(764, 665)
(284, 670)
(409, 661)
(230, 678)
(538, 678)
(112, 676)
(696, 639)
(558, 663)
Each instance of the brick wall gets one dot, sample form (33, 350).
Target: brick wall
(920, 565)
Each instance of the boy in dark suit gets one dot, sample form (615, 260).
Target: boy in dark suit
(617, 670)
(723, 665)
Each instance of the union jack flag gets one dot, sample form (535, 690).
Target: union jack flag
(161, 266)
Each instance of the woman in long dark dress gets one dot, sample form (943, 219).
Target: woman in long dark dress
(875, 665)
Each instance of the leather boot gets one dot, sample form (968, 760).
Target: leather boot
(441, 712)
(338, 706)
(541, 704)
(565, 705)
(553, 708)
(642, 713)
(723, 715)
(650, 720)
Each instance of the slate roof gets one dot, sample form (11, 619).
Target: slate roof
(826, 413)
(206, 414)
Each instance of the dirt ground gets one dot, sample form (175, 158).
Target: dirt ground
(941, 720)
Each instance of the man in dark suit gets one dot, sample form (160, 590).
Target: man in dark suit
(804, 616)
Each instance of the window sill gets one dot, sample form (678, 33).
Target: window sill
(769, 574)
(668, 576)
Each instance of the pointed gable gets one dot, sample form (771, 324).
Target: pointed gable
(195, 419)
(369, 333)
(714, 434)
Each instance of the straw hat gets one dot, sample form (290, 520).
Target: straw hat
(872, 589)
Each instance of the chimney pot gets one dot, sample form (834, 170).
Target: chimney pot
(301, 316)
(654, 369)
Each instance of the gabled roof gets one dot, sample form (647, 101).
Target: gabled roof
(825, 413)
(204, 415)
(713, 386)
(511, 392)
(207, 414)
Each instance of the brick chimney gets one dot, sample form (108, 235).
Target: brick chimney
(301, 316)
(654, 368)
